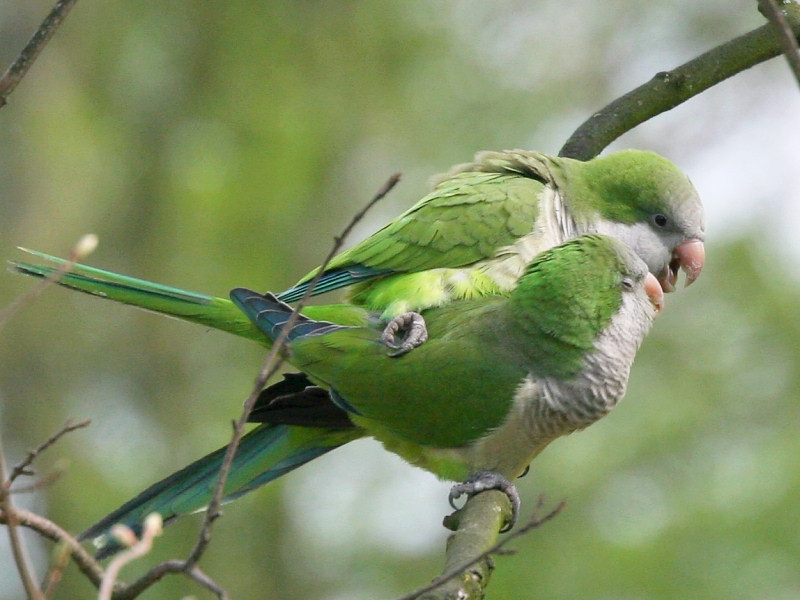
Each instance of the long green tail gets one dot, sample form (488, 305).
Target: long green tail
(219, 313)
(264, 454)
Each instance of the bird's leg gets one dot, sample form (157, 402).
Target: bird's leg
(488, 480)
(413, 332)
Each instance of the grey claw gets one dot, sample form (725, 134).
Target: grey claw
(414, 333)
(488, 480)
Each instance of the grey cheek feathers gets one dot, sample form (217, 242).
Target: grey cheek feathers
(652, 248)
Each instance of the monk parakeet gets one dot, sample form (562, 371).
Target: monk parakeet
(484, 221)
(472, 236)
(497, 380)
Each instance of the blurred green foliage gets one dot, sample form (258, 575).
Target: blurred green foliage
(217, 144)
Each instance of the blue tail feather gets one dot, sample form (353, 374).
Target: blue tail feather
(271, 315)
(264, 454)
(333, 280)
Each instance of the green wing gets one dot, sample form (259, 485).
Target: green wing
(466, 219)
(440, 250)
(407, 396)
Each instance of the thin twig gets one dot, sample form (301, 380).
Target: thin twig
(20, 66)
(791, 50)
(22, 467)
(58, 562)
(11, 515)
(136, 549)
(271, 364)
(39, 484)
(499, 548)
(207, 582)
(18, 548)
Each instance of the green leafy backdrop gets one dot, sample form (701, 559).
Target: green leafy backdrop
(218, 144)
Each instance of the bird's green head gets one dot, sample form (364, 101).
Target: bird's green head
(570, 294)
(646, 201)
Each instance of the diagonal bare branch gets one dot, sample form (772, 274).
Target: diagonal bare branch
(271, 365)
(20, 66)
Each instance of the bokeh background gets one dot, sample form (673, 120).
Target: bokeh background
(224, 143)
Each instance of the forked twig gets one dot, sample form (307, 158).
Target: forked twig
(22, 467)
(10, 513)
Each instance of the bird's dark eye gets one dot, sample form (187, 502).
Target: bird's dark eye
(627, 283)
(660, 220)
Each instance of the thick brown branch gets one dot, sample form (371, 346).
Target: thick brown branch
(668, 89)
(47, 529)
(470, 549)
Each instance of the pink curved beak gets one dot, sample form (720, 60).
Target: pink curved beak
(653, 288)
(688, 256)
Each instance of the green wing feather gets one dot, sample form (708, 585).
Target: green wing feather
(393, 395)
(466, 219)
(470, 237)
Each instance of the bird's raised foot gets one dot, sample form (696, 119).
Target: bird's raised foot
(410, 328)
(488, 480)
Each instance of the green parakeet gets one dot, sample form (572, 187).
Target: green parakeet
(498, 379)
(476, 232)
(472, 236)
